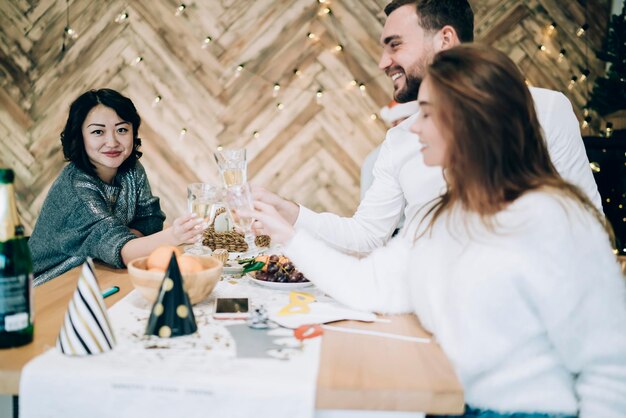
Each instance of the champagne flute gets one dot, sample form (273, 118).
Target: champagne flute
(236, 198)
(232, 165)
(202, 199)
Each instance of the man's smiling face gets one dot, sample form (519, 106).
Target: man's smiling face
(407, 51)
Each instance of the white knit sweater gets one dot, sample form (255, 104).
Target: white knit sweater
(532, 316)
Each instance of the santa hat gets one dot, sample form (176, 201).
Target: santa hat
(394, 111)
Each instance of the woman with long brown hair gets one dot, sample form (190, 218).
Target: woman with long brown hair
(511, 268)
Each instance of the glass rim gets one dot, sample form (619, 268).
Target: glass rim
(230, 155)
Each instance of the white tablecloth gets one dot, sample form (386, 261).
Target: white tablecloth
(191, 376)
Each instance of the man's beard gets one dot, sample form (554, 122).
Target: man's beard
(410, 90)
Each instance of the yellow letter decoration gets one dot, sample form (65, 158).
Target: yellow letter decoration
(298, 304)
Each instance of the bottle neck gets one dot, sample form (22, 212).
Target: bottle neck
(9, 221)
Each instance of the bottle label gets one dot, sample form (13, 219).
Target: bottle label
(16, 322)
(15, 306)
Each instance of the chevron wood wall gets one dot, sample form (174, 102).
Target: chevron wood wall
(310, 151)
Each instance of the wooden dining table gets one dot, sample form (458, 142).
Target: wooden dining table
(357, 372)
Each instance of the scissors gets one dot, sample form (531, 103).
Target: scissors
(304, 332)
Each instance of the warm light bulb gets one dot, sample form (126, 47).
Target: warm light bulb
(318, 96)
(542, 47)
(584, 74)
(608, 132)
(373, 116)
(255, 134)
(71, 33)
(137, 60)
(572, 82)
(561, 55)
(238, 70)
(121, 17)
(180, 9)
(275, 90)
(206, 42)
(280, 106)
(581, 30)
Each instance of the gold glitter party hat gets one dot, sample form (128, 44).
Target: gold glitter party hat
(171, 315)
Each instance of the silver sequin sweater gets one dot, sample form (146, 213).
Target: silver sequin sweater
(83, 216)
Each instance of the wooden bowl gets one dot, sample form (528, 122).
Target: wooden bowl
(199, 285)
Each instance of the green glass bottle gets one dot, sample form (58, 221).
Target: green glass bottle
(16, 271)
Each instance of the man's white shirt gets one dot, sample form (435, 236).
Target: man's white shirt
(402, 182)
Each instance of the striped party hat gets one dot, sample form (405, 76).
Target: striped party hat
(86, 329)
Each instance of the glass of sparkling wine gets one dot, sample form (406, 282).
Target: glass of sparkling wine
(239, 197)
(232, 165)
(202, 199)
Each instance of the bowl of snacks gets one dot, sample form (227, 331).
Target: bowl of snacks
(274, 271)
(200, 273)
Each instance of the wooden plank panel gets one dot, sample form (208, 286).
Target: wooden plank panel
(201, 94)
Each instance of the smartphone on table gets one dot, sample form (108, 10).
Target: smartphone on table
(231, 308)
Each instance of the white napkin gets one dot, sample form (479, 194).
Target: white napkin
(319, 313)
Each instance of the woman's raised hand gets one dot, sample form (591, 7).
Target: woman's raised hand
(285, 208)
(187, 229)
(270, 222)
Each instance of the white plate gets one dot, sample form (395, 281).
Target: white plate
(280, 286)
(232, 268)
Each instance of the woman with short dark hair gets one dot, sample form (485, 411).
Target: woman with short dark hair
(101, 205)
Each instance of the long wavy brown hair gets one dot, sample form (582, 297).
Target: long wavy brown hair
(495, 148)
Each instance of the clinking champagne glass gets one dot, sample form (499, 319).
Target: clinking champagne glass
(232, 165)
(203, 200)
(236, 198)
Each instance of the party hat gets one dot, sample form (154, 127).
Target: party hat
(171, 314)
(86, 328)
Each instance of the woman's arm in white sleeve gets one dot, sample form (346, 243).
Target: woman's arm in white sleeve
(375, 283)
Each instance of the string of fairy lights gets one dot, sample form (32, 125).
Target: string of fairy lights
(578, 79)
(580, 75)
(275, 88)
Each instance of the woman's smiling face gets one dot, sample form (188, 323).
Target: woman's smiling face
(108, 141)
(434, 145)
